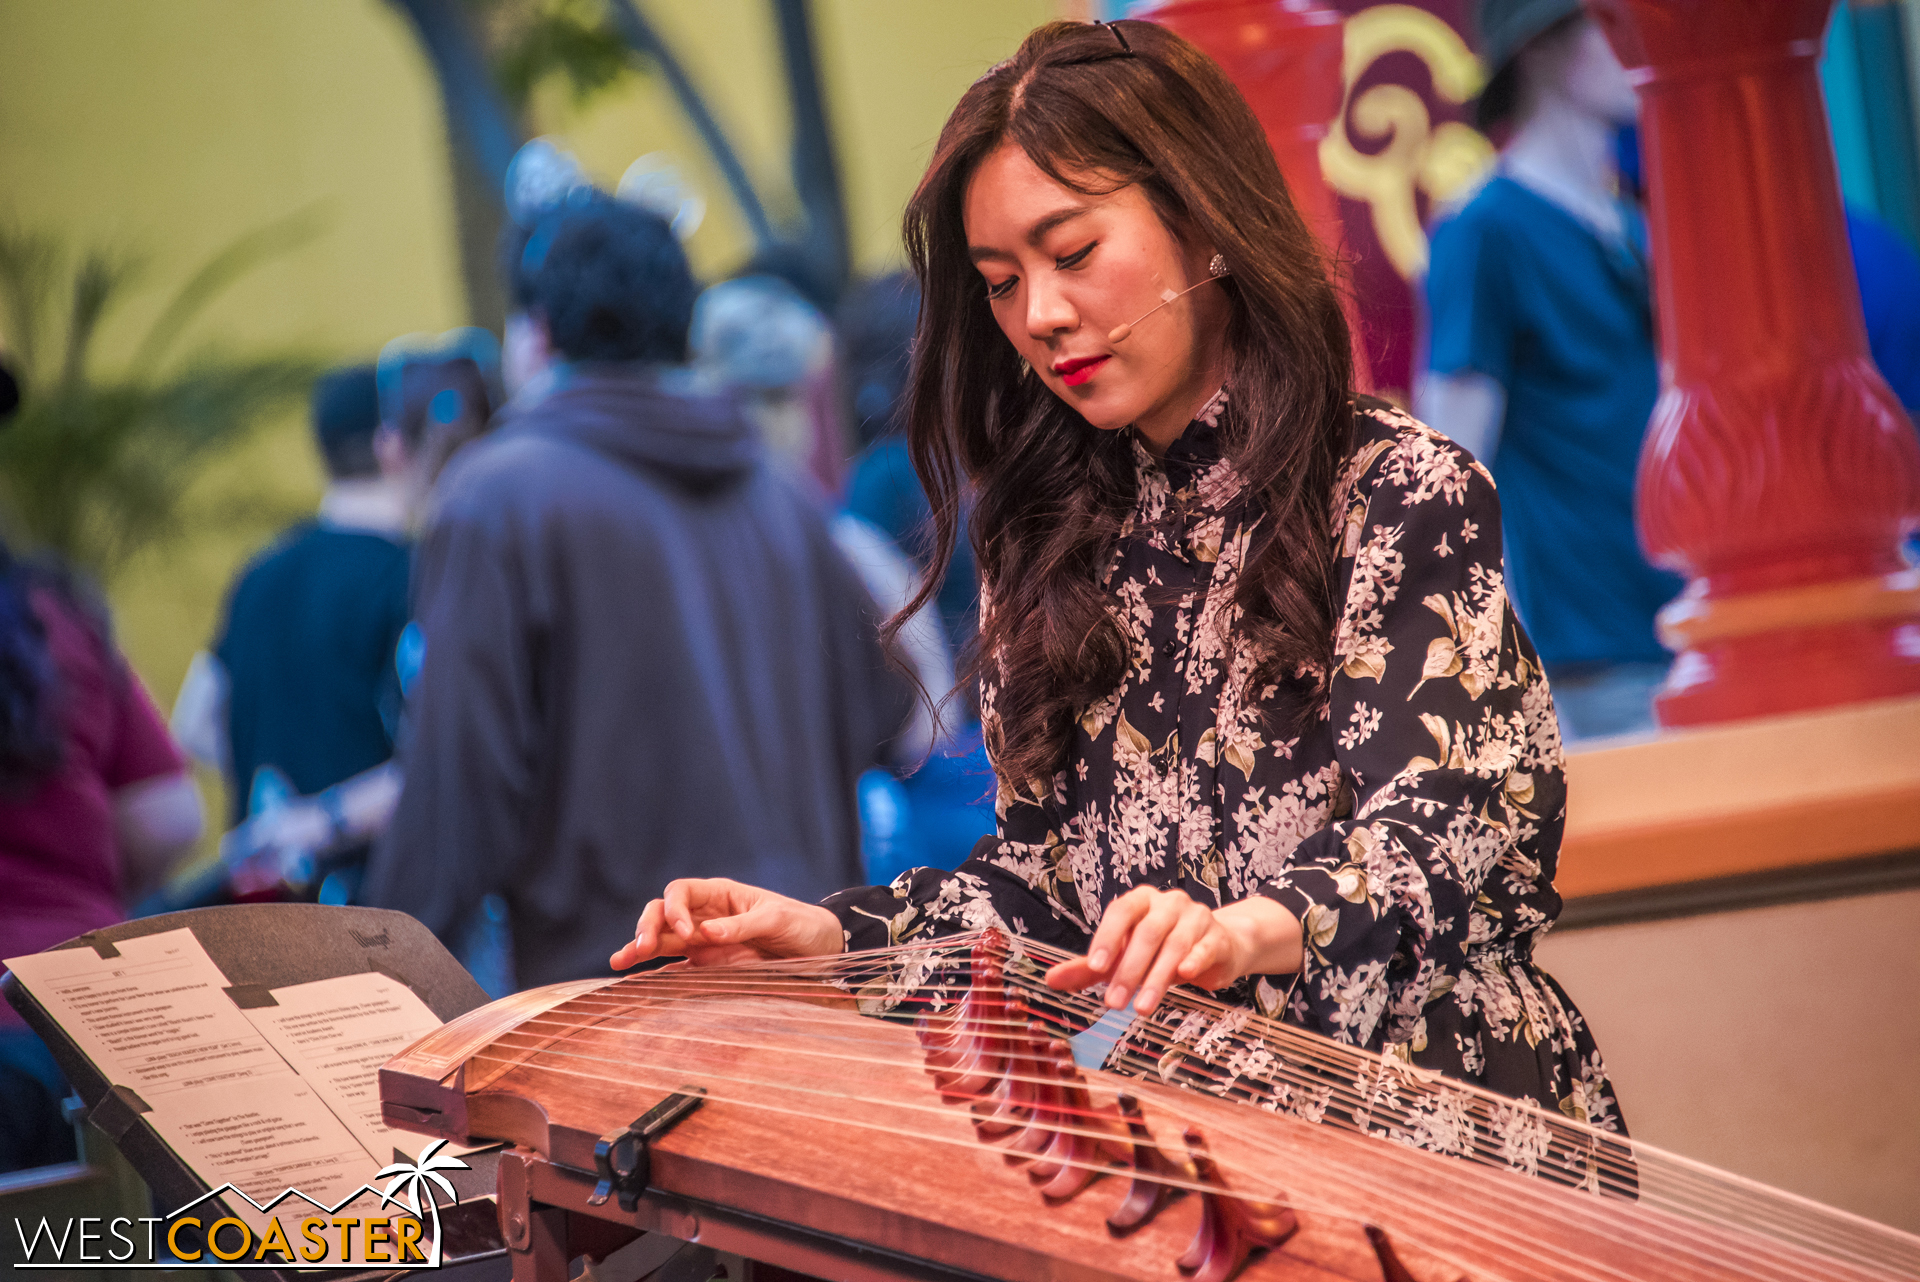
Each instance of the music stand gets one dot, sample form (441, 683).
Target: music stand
(273, 946)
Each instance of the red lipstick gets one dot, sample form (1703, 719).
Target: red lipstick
(1075, 372)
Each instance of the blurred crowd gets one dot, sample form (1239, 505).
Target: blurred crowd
(605, 600)
(582, 609)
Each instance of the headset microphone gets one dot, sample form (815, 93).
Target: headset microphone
(1216, 269)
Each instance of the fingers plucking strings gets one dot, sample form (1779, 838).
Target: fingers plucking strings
(1195, 1042)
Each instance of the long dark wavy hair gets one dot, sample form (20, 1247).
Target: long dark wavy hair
(1098, 106)
(31, 739)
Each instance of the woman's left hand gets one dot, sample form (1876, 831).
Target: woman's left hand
(1150, 939)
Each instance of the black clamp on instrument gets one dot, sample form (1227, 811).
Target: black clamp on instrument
(621, 1157)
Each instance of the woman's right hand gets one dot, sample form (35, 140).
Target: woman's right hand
(714, 921)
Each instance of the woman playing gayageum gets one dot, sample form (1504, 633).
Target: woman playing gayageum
(1260, 715)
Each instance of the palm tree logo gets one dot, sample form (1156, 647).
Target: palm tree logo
(422, 1175)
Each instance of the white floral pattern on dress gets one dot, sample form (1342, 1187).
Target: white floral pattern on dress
(1413, 825)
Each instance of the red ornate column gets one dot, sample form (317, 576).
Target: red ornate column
(1779, 470)
(1284, 57)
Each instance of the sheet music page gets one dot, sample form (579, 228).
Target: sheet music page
(156, 1019)
(336, 1033)
(264, 1137)
(159, 1019)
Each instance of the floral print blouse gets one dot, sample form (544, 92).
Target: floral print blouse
(1412, 827)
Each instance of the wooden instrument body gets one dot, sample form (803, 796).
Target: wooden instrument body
(845, 1162)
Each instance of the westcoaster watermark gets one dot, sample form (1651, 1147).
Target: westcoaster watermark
(199, 1236)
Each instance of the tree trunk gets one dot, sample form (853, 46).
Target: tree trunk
(644, 40)
(816, 170)
(482, 136)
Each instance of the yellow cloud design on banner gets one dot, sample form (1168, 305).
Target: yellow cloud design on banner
(1417, 156)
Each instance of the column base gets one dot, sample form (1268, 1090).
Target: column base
(1792, 670)
(1790, 650)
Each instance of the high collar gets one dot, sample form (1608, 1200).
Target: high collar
(1193, 473)
(1195, 450)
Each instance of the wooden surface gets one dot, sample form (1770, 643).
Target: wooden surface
(1746, 797)
(834, 1127)
(1798, 1013)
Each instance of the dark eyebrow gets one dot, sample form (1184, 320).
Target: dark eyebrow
(1059, 217)
(1035, 234)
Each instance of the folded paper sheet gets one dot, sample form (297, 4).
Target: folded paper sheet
(267, 1090)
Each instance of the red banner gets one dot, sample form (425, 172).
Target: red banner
(1401, 145)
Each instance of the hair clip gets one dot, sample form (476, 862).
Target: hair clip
(1121, 36)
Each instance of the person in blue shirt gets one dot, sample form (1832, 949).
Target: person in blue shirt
(1541, 360)
(875, 324)
(1884, 265)
(298, 690)
(1889, 274)
(935, 813)
(301, 691)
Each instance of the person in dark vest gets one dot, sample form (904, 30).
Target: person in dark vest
(644, 656)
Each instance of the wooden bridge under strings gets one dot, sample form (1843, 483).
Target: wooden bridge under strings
(915, 1112)
(1778, 474)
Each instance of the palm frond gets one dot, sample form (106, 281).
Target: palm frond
(444, 1184)
(411, 1199)
(95, 471)
(29, 262)
(95, 467)
(219, 272)
(96, 286)
(417, 1173)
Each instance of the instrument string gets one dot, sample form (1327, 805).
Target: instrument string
(1373, 1190)
(838, 979)
(1713, 1193)
(1092, 1010)
(1759, 1207)
(1302, 1199)
(1762, 1209)
(707, 1039)
(1714, 1197)
(1337, 1087)
(1726, 1208)
(641, 1027)
(1089, 1011)
(1009, 1026)
(1362, 1185)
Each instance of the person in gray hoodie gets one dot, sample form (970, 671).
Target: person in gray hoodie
(645, 658)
